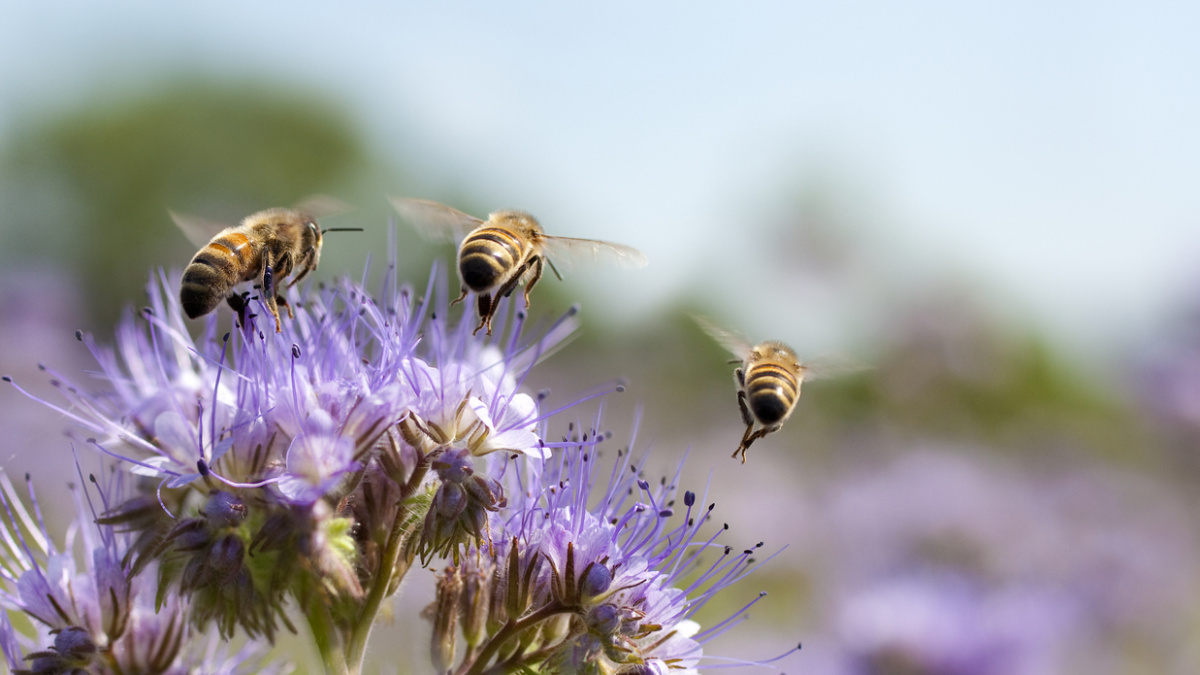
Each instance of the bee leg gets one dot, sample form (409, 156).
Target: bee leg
(537, 274)
(460, 297)
(271, 305)
(284, 265)
(486, 309)
(509, 286)
(746, 416)
(282, 302)
(268, 291)
(503, 291)
(749, 438)
(307, 263)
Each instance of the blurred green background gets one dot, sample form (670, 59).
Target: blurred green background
(1030, 412)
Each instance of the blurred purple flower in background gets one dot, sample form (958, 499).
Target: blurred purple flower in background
(945, 563)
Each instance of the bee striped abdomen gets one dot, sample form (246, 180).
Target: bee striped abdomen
(487, 255)
(226, 260)
(771, 392)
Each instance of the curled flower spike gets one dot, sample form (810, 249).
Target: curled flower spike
(585, 579)
(458, 514)
(100, 619)
(73, 651)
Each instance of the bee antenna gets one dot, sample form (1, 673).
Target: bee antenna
(341, 229)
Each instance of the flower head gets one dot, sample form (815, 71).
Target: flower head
(318, 464)
(591, 575)
(97, 618)
(354, 394)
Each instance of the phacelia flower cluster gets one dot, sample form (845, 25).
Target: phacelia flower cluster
(101, 618)
(305, 472)
(591, 572)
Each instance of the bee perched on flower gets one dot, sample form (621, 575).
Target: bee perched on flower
(305, 472)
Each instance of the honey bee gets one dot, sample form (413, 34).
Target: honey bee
(505, 251)
(267, 247)
(768, 380)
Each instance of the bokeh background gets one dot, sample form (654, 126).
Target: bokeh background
(993, 207)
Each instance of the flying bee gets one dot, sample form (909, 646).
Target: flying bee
(768, 380)
(507, 250)
(267, 247)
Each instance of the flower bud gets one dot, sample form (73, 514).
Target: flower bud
(497, 614)
(445, 619)
(485, 490)
(73, 650)
(603, 620)
(454, 466)
(476, 604)
(458, 515)
(224, 510)
(596, 580)
(450, 500)
(75, 645)
(580, 654)
(225, 558)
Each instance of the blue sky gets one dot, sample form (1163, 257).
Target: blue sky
(1046, 153)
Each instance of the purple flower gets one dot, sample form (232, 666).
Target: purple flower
(315, 467)
(101, 620)
(594, 562)
(303, 409)
(953, 562)
(943, 623)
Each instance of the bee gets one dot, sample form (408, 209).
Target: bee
(768, 380)
(507, 250)
(266, 248)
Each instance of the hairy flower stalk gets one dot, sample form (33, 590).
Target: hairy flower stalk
(311, 469)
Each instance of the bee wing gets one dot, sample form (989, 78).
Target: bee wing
(199, 231)
(435, 221)
(736, 343)
(565, 251)
(320, 206)
(826, 366)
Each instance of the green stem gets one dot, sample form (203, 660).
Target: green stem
(325, 635)
(510, 630)
(389, 569)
